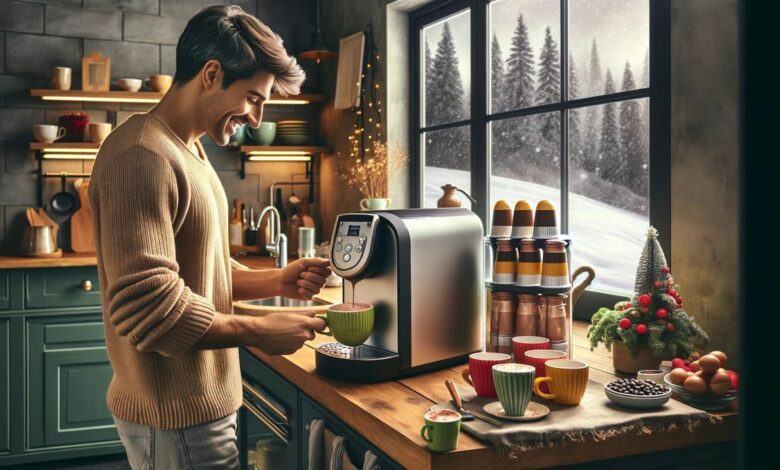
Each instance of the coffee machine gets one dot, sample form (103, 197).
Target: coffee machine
(422, 270)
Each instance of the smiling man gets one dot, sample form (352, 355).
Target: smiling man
(167, 280)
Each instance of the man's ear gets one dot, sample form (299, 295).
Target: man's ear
(211, 74)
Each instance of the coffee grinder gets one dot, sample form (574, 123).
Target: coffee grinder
(422, 270)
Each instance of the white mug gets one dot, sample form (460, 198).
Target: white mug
(60, 78)
(48, 133)
(130, 84)
(371, 204)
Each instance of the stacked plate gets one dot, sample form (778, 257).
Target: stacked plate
(293, 132)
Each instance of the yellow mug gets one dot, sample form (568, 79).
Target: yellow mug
(567, 381)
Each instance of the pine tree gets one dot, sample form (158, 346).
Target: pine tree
(609, 155)
(590, 150)
(646, 102)
(651, 261)
(632, 151)
(575, 139)
(447, 149)
(548, 91)
(520, 69)
(429, 82)
(497, 99)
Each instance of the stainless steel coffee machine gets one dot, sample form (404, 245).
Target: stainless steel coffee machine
(422, 269)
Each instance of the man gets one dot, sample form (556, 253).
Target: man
(167, 279)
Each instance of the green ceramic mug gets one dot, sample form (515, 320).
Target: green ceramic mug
(514, 384)
(350, 324)
(441, 430)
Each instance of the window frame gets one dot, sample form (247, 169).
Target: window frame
(658, 92)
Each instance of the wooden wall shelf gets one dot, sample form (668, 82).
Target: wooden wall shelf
(117, 96)
(64, 146)
(282, 149)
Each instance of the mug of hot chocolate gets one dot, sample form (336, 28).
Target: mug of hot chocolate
(350, 324)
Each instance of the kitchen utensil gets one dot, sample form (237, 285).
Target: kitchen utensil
(82, 239)
(36, 240)
(441, 430)
(47, 133)
(306, 246)
(61, 78)
(250, 234)
(48, 221)
(130, 84)
(532, 413)
(453, 389)
(480, 374)
(30, 219)
(513, 384)
(349, 324)
(568, 380)
(64, 202)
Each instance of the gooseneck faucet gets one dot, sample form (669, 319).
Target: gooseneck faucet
(278, 245)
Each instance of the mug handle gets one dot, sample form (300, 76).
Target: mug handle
(325, 319)
(362, 206)
(538, 381)
(60, 133)
(426, 435)
(389, 201)
(146, 84)
(466, 373)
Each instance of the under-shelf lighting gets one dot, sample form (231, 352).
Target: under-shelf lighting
(279, 158)
(287, 102)
(100, 99)
(278, 152)
(69, 156)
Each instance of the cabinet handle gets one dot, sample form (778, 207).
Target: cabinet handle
(267, 422)
(86, 285)
(265, 401)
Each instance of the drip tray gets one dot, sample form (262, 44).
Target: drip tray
(359, 364)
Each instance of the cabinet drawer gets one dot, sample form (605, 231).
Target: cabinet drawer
(61, 287)
(5, 373)
(5, 290)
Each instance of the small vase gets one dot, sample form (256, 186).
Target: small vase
(371, 204)
(625, 362)
(449, 199)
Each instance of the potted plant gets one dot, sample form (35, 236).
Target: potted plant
(652, 326)
(373, 176)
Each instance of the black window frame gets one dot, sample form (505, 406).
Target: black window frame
(658, 92)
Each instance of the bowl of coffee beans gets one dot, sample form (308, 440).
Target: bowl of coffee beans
(633, 393)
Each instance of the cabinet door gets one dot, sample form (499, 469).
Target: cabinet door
(62, 287)
(268, 428)
(5, 365)
(356, 445)
(5, 290)
(68, 373)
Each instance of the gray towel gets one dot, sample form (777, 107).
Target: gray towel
(371, 461)
(337, 457)
(316, 429)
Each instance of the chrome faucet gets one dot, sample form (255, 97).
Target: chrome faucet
(278, 245)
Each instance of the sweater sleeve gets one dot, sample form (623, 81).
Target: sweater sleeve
(138, 204)
(238, 266)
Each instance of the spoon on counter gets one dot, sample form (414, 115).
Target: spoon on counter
(467, 415)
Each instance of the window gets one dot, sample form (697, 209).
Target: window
(566, 100)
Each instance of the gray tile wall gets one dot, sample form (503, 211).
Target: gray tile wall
(140, 38)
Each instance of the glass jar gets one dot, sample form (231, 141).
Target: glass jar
(75, 124)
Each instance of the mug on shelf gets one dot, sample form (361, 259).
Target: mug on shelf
(48, 133)
(374, 204)
(61, 77)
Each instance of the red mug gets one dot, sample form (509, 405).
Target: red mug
(521, 344)
(480, 372)
(537, 359)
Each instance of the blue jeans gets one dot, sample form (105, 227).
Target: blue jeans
(210, 445)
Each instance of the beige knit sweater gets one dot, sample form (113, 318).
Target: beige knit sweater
(160, 215)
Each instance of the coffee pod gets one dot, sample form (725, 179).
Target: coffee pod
(557, 321)
(506, 259)
(502, 220)
(504, 306)
(523, 220)
(544, 220)
(555, 270)
(527, 315)
(504, 344)
(529, 264)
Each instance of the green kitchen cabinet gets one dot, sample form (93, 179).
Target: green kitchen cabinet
(68, 375)
(5, 373)
(5, 290)
(61, 287)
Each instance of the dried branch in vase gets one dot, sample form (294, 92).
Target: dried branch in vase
(372, 177)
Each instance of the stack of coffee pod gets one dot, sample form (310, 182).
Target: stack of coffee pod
(523, 220)
(555, 269)
(502, 220)
(529, 264)
(506, 261)
(503, 313)
(545, 225)
(513, 315)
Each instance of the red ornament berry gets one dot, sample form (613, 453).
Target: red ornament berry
(671, 292)
(641, 328)
(679, 299)
(625, 323)
(669, 281)
(627, 305)
(665, 269)
(645, 300)
(658, 284)
(661, 313)
(669, 327)
(644, 309)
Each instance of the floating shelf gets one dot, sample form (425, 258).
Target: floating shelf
(65, 150)
(280, 153)
(527, 290)
(149, 97)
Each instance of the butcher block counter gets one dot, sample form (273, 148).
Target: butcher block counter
(389, 414)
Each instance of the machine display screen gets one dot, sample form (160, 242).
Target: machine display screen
(353, 231)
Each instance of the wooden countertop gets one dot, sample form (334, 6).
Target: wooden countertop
(69, 260)
(389, 414)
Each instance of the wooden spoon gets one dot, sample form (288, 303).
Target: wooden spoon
(30, 219)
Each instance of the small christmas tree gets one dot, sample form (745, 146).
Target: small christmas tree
(654, 315)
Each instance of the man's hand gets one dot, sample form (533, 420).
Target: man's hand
(303, 278)
(283, 333)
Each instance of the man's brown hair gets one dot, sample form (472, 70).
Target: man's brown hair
(241, 43)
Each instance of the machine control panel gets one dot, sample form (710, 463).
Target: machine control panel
(352, 239)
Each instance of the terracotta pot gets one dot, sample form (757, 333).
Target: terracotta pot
(623, 361)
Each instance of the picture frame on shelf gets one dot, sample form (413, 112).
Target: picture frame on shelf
(348, 77)
(95, 72)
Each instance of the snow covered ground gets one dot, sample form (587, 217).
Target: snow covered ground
(607, 238)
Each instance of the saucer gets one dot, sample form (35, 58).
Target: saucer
(532, 413)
